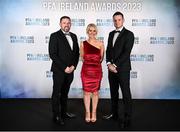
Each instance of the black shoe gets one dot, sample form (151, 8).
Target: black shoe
(110, 116)
(125, 123)
(58, 120)
(69, 115)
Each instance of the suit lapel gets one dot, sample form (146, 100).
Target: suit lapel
(111, 39)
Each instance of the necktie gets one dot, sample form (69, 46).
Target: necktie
(117, 32)
(67, 34)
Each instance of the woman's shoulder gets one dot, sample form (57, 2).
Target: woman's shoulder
(82, 43)
(99, 42)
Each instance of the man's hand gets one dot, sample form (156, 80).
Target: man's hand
(69, 69)
(72, 68)
(112, 68)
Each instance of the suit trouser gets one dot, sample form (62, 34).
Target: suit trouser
(121, 79)
(61, 86)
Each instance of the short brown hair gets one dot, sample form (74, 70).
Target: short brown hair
(118, 13)
(65, 17)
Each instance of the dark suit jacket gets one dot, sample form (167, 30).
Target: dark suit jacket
(119, 54)
(60, 51)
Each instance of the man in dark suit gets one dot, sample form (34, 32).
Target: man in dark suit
(64, 52)
(120, 43)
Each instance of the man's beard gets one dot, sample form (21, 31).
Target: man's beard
(66, 29)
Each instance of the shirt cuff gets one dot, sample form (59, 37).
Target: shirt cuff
(114, 65)
(108, 63)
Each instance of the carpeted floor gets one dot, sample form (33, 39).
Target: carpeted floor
(35, 114)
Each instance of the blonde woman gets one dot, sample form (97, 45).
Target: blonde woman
(92, 53)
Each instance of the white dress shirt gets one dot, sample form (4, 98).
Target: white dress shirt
(69, 39)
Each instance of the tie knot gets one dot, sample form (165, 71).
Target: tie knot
(117, 32)
(67, 34)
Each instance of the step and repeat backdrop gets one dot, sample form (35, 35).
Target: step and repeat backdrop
(26, 25)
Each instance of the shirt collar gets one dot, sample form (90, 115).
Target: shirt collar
(119, 29)
(65, 32)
